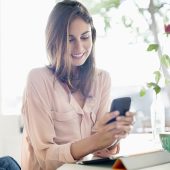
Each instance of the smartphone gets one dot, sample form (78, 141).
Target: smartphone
(120, 104)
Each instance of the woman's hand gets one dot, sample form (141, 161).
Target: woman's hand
(103, 120)
(125, 124)
(105, 135)
(110, 133)
(107, 152)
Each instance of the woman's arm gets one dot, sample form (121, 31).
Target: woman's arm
(101, 139)
(104, 136)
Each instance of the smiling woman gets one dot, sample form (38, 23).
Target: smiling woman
(24, 47)
(66, 104)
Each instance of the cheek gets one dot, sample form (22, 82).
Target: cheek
(89, 46)
(70, 48)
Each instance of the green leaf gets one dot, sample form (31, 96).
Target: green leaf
(127, 21)
(142, 92)
(157, 89)
(152, 47)
(151, 84)
(165, 60)
(157, 76)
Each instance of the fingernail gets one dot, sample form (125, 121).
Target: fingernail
(116, 112)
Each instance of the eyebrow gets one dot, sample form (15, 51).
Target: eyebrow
(81, 34)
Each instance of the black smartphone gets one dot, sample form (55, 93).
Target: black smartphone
(120, 104)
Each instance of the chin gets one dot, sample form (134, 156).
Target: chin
(78, 62)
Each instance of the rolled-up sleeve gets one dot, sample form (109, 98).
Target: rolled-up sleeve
(39, 125)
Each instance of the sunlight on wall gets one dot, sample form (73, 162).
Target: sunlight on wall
(23, 23)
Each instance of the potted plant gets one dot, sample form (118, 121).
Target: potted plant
(161, 81)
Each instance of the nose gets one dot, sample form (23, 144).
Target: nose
(78, 46)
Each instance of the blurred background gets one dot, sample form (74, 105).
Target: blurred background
(125, 28)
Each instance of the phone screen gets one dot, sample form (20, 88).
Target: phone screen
(120, 104)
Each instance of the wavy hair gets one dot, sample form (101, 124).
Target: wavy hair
(57, 28)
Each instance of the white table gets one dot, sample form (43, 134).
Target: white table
(106, 167)
(134, 143)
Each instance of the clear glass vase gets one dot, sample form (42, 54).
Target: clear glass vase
(157, 116)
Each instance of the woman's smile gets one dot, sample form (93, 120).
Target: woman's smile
(78, 55)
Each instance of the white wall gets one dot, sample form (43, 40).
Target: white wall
(10, 136)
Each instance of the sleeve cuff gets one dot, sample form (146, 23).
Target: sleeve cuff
(67, 153)
(60, 153)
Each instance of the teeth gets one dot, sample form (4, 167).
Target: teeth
(77, 55)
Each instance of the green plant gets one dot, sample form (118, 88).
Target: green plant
(164, 65)
(153, 14)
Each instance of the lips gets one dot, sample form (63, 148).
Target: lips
(77, 56)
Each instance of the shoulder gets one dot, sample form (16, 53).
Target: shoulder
(38, 74)
(38, 86)
(102, 75)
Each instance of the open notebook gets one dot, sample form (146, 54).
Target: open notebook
(131, 162)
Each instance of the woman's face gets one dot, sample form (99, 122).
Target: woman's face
(80, 41)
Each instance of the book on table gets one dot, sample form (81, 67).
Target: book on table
(131, 162)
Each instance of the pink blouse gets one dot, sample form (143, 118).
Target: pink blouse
(53, 119)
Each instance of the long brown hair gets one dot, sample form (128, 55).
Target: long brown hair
(59, 20)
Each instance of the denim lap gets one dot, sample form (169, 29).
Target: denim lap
(8, 163)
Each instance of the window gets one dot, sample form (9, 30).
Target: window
(22, 47)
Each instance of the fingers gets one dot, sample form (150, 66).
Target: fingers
(110, 116)
(108, 133)
(101, 123)
(131, 115)
(107, 152)
(104, 153)
(122, 125)
(129, 119)
(122, 132)
(107, 117)
(115, 148)
(125, 124)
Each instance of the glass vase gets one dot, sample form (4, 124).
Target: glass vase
(157, 116)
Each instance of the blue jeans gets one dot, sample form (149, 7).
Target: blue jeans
(8, 163)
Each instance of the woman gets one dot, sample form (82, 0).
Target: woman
(65, 105)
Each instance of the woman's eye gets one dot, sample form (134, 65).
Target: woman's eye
(85, 37)
(71, 39)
